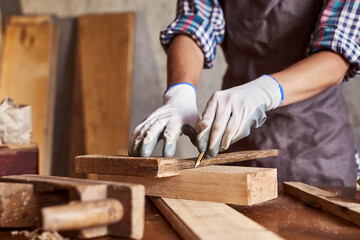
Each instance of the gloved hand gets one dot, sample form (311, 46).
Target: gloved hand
(178, 115)
(229, 114)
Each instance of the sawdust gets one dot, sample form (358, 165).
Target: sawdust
(38, 235)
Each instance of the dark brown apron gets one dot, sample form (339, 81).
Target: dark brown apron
(314, 136)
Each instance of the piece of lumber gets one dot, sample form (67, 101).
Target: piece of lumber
(19, 159)
(64, 95)
(156, 166)
(226, 184)
(16, 204)
(28, 75)
(131, 196)
(103, 80)
(327, 201)
(209, 220)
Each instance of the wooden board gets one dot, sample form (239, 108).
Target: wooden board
(28, 75)
(18, 159)
(131, 197)
(226, 184)
(325, 200)
(209, 220)
(103, 78)
(156, 166)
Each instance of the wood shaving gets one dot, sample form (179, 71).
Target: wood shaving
(37, 235)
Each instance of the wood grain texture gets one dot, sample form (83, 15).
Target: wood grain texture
(209, 220)
(226, 184)
(325, 200)
(103, 80)
(78, 215)
(17, 205)
(156, 166)
(19, 159)
(229, 158)
(131, 196)
(28, 75)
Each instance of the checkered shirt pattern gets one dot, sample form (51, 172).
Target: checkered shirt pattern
(338, 29)
(203, 20)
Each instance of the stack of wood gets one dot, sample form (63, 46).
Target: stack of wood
(194, 200)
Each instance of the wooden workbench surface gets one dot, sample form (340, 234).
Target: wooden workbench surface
(286, 216)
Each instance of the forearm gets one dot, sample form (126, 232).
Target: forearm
(185, 61)
(311, 76)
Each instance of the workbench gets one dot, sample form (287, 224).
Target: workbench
(286, 216)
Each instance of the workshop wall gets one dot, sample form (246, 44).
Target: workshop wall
(150, 60)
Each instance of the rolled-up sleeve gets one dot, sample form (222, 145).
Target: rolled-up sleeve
(338, 30)
(203, 21)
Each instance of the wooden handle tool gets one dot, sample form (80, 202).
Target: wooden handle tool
(80, 215)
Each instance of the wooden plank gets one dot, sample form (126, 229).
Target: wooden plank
(209, 220)
(103, 78)
(64, 95)
(226, 184)
(156, 166)
(18, 159)
(325, 200)
(27, 75)
(131, 196)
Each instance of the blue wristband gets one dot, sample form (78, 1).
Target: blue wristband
(180, 84)
(281, 89)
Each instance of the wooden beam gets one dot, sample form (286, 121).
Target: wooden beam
(102, 87)
(28, 75)
(209, 220)
(327, 201)
(156, 166)
(226, 184)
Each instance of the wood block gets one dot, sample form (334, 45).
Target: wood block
(17, 205)
(103, 79)
(209, 220)
(18, 159)
(28, 75)
(156, 166)
(131, 196)
(325, 200)
(226, 184)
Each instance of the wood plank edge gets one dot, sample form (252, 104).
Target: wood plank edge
(173, 218)
(325, 202)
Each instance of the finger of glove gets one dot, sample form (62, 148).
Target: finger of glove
(217, 131)
(171, 136)
(205, 125)
(257, 119)
(152, 136)
(138, 136)
(231, 130)
(191, 132)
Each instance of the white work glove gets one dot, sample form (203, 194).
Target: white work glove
(229, 114)
(178, 115)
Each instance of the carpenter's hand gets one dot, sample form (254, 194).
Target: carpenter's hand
(177, 115)
(230, 114)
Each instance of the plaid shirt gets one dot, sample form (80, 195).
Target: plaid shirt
(337, 29)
